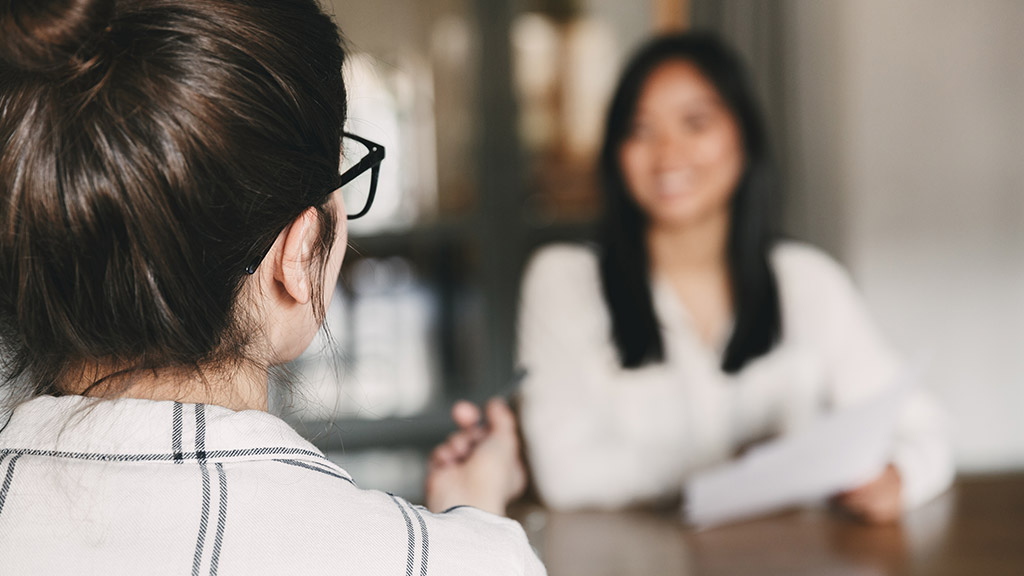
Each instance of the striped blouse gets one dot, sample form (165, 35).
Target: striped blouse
(143, 487)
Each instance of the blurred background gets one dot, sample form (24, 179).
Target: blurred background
(900, 136)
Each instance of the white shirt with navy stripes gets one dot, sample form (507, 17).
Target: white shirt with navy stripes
(144, 487)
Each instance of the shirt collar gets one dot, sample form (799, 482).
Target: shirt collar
(159, 430)
(676, 318)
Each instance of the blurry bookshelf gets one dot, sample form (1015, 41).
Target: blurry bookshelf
(491, 112)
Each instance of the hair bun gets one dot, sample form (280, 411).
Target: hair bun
(47, 35)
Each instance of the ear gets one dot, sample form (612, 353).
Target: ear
(297, 241)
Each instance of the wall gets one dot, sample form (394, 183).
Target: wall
(906, 161)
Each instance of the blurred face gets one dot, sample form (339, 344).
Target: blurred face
(684, 155)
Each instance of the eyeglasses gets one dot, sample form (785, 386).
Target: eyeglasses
(372, 154)
(357, 196)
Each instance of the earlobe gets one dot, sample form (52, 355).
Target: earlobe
(297, 241)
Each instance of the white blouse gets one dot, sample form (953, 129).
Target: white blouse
(141, 487)
(602, 436)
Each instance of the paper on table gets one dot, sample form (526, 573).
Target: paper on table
(838, 452)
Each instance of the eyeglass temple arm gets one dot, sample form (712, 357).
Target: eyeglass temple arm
(373, 159)
(375, 156)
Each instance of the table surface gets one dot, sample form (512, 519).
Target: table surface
(977, 528)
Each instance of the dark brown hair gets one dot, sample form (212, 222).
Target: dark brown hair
(151, 149)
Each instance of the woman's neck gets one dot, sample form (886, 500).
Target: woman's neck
(237, 386)
(693, 260)
(698, 247)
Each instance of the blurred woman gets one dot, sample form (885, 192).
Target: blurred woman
(691, 330)
(169, 231)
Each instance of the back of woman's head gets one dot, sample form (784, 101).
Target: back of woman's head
(151, 149)
(625, 264)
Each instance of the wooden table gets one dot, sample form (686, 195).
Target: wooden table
(976, 529)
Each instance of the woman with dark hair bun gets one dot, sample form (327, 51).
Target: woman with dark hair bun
(692, 330)
(171, 228)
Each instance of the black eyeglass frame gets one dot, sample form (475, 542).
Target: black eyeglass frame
(371, 162)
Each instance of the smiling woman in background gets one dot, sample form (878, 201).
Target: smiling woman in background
(170, 229)
(692, 331)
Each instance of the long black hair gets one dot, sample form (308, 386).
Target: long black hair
(625, 263)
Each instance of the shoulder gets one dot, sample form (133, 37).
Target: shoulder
(461, 540)
(564, 274)
(807, 275)
(562, 297)
(469, 540)
(816, 293)
(369, 531)
(563, 261)
(800, 262)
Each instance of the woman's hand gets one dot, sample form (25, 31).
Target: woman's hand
(878, 501)
(477, 466)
